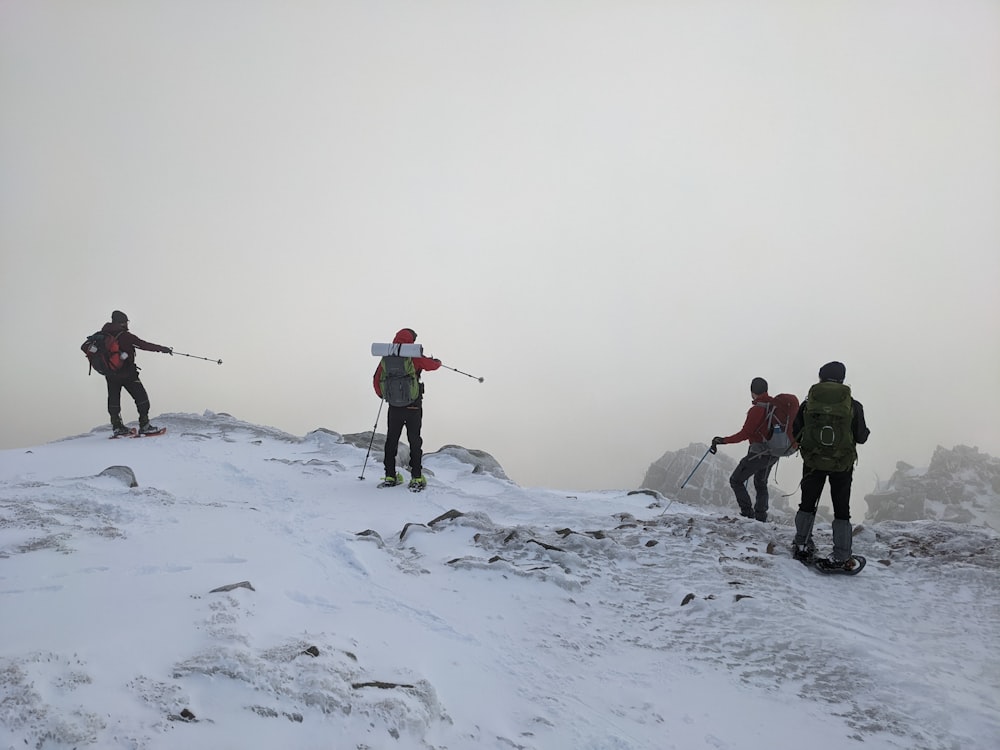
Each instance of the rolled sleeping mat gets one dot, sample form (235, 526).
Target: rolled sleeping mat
(397, 350)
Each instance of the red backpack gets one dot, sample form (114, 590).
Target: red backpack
(102, 352)
(781, 413)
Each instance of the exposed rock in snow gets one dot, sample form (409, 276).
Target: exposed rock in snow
(123, 474)
(480, 461)
(960, 485)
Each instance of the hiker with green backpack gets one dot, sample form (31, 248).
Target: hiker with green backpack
(397, 382)
(828, 427)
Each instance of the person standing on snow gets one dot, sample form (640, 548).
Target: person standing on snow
(828, 427)
(397, 381)
(757, 463)
(127, 375)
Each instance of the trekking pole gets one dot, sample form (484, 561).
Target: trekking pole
(195, 356)
(669, 467)
(696, 468)
(365, 465)
(462, 373)
(667, 506)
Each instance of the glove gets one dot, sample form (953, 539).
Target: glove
(167, 350)
(716, 442)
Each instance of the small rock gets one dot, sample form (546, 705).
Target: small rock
(231, 586)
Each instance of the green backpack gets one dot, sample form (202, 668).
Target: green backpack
(398, 381)
(827, 441)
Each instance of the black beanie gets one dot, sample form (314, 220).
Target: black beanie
(119, 317)
(834, 371)
(758, 386)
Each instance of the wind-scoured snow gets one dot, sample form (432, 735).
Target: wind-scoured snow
(249, 591)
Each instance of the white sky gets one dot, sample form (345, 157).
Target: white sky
(109, 625)
(617, 213)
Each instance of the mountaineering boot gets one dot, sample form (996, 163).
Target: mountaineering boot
(417, 484)
(145, 428)
(118, 427)
(803, 547)
(802, 553)
(390, 481)
(842, 534)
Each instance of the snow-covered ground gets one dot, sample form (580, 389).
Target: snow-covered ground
(477, 614)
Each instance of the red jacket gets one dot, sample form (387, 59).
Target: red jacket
(755, 427)
(129, 342)
(405, 336)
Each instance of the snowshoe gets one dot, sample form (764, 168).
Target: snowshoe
(148, 431)
(850, 567)
(390, 481)
(122, 431)
(417, 484)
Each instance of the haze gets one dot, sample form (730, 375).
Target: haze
(616, 213)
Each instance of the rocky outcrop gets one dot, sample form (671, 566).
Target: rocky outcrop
(960, 485)
(480, 462)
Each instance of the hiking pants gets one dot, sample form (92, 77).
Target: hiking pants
(411, 418)
(840, 491)
(131, 383)
(758, 466)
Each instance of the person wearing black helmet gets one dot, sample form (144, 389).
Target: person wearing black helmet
(757, 463)
(126, 374)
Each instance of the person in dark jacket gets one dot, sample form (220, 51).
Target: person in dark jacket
(756, 463)
(410, 416)
(127, 376)
(821, 460)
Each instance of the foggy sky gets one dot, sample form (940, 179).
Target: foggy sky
(616, 213)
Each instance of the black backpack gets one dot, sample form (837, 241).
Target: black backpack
(101, 350)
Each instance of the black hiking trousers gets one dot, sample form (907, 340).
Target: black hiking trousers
(410, 417)
(758, 466)
(840, 491)
(128, 380)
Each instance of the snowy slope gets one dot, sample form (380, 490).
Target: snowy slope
(477, 614)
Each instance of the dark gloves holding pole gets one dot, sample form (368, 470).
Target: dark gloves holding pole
(716, 442)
